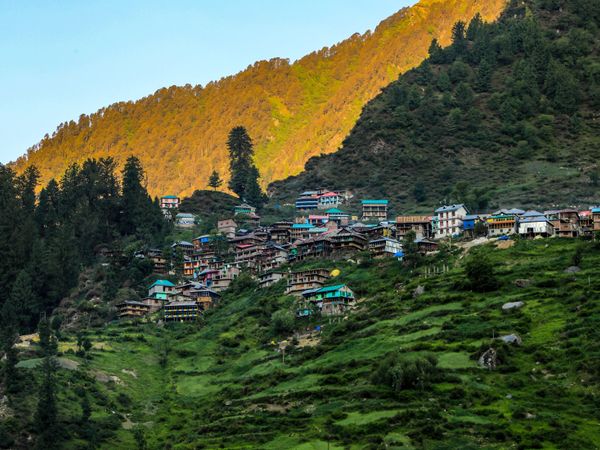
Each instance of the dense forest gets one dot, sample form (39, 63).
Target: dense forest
(45, 244)
(505, 115)
(292, 110)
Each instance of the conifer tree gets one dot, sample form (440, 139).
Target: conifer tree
(244, 174)
(47, 410)
(215, 180)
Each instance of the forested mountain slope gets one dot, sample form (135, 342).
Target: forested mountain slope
(292, 110)
(508, 114)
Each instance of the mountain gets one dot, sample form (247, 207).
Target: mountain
(399, 372)
(506, 115)
(293, 111)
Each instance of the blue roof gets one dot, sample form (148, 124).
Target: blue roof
(374, 202)
(334, 288)
(533, 214)
(334, 211)
(169, 196)
(399, 254)
(302, 225)
(450, 208)
(471, 217)
(166, 283)
(596, 210)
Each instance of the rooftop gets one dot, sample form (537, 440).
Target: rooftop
(166, 283)
(374, 202)
(450, 208)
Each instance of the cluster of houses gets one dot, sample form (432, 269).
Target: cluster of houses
(322, 230)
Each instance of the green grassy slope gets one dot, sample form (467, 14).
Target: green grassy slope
(508, 113)
(223, 384)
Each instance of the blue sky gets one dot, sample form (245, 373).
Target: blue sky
(59, 59)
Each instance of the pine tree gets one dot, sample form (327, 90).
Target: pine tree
(459, 40)
(48, 344)
(253, 193)
(244, 174)
(436, 53)
(215, 180)
(23, 300)
(47, 411)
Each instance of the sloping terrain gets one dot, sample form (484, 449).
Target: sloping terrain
(223, 383)
(292, 110)
(506, 115)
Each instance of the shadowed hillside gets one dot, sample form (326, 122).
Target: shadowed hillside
(508, 114)
(292, 111)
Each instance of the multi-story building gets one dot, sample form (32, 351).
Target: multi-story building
(244, 209)
(329, 200)
(449, 220)
(185, 220)
(306, 279)
(596, 219)
(227, 227)
(384, 246)
(533, 224)
(270, 278)
(169, 202)
(375, 210)
(181, 311)
(331, 300)
(420, 224)
(161, 289)
(503, 222)
(337, 216)
(565, 222)
(307, 201)
(131, 309)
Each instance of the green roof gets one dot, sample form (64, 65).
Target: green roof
(162, 283)
(334, 211)
(337, 287)
(375, 202)
(169, 196)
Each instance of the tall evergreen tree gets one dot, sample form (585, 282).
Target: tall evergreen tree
(244, 174)
(46, 416)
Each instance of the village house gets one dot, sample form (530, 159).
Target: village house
(270, 278)
(420, 224)
(596, 219)
(384, 229)
(280, 232)
(449, 220)
(300, 231)
(185, 220)
(169, 202)
(300, 281)
(244, 209)
(346, 241)
(130, 309)
(307, 201)
(181, 311)
(248, 255)
(316, 247)
(375, 210)
(272, 257)
(161, 289)
(250, 238)
(565, 222)
(337, 216)
(159, 263)
(331, 300)
(425, 246)
(329, 199)
(318, 220)
(503, 222)
(227, 228)
(586, 222)
(468, 224)
(535, 224)
(224, 276)
(187, 248)
(383, 247)
(204, 297)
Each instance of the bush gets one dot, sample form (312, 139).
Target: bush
(480, 273)
(406, 372)
(283, 321)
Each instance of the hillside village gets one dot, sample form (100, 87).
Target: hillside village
(321, 230)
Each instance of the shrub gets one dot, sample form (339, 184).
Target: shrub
(282, 321)
(406, 372)
(480, 273)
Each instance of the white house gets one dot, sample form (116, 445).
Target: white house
(449, 220)
(534, 223)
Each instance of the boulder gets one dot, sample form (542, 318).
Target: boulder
(488, 359)
(572, 269)
(522, 283)
(420, 290)
(512, 305)
(511, 339)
